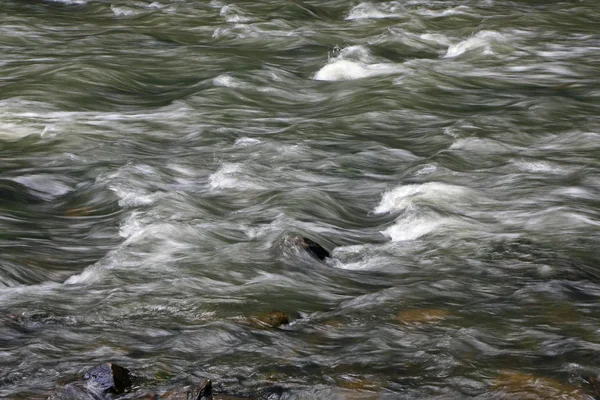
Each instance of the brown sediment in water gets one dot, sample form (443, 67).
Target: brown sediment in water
(523, 386)
(422, 316)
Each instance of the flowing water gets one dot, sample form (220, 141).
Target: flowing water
(156, 156)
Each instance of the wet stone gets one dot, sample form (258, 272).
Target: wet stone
(310, 246)
(594, 386)
(273, 319)
(315, 249)
(110, 378)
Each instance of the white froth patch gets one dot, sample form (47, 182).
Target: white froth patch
(231, 176)
(132, 198)
(246, 142)
(232, 14)
(481, 40)
(435, 39)
(13, 131)
(124, 11)
(372, 11)
(88, 275)
(482, 146)
(405, 197)
(348, 70)
(460, 10)
(412, 228)
(70, 1)
(355, 62)
(226, 81)
(539, 167)
(45, 184)
(427, 169)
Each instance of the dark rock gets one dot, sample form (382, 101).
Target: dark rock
(300, 245)
(315, 249)
(205, 391)
(594, 386)
(110, 378)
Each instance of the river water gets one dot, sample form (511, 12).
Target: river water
(156, 156)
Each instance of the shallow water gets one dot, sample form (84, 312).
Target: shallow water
(155, 157)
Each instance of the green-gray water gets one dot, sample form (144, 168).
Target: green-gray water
(155, 156)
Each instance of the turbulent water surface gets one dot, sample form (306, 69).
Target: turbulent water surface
(156, 157)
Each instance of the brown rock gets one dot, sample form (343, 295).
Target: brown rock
(273, 319)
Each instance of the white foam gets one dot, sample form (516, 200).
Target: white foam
(71, 2)
(347, 70)
(246, 142)
(13, 131)
(232, 14)
(543, 167)
(414, 227)
(133, 198)
(44, 183)
(88, 275)
(460, 10)
(481, 40)
(372, 11)
(124, 11)
(405, 197)
(435, 39)
(231, 176)
(427, 169)
(355, 62)
(226, 81)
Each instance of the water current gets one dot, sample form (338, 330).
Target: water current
(156, 156)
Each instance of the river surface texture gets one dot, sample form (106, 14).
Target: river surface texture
(157, 159)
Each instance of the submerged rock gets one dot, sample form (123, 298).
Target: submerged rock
(594, 386)
(204, 393)
(517, 385)
(273, 319)
(310, 246)
(315, 249)
(110, 378)
(422, 316)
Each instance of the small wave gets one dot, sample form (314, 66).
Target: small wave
(405, 197)
(372, 11)
(70, 2)
(46, 186)
(226, 81)
(88, 275)
(349, 70)
(133, 198)
(542, 167)
(231, 176)
(246, 142)
(140, 8)
(120, 11)
(232, 14)
(411, 199)
(481, 40)
(460, 10)
(9, 131)
(413, 227)
(355, 62)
